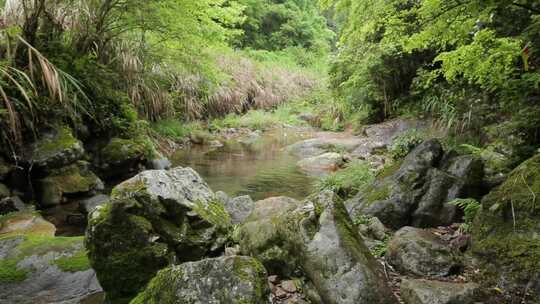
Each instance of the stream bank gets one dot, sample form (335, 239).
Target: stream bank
(400, 235)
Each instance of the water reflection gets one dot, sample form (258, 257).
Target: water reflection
(259, 167)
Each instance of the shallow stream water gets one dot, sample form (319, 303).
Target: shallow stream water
(260, 168)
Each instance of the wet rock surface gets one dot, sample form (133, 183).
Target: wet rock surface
(234, 279)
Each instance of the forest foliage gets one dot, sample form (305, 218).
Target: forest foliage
(115, 66)
(473, 65)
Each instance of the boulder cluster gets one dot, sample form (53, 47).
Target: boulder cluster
(165, 237)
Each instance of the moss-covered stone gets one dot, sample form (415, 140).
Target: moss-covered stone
(506, 232)
(227, 280)
(76, 178)
(38, 268)
(57, 148)
(323, 245)
(378, 194)
(122, 157)
(36, 245)
(119, 150)
(154, 219)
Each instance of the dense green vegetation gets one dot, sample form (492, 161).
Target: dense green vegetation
(472, 65)
(114, 67)
(118, 67)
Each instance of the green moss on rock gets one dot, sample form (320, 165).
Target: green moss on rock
(10, 272)
(77, 262)
(214, 212)
(63, 140)
(36, 245)
(506, 230)
(378, 193)
(69, 180)
(120, 150)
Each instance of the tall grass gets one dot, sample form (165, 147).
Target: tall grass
(20, 91)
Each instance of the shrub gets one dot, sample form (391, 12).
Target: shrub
(405, 143)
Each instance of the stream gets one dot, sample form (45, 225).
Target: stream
(259, 167)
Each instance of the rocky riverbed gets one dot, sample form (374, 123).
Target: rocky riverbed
(166, 236)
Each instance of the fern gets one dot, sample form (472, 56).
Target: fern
(470, 208)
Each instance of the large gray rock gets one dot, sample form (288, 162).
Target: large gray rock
(323, 143)
(418, 192)
(239, 207)
(323, 164)
(224, 280)
(420, 252)
(37, 267)
(55, 149)
(435, 292)
(320, 240)
(152, 220)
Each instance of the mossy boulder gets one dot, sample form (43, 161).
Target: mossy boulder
(261, 235)
(55, 149)
(70, 180)
(36, 267)
(318, 240)
(506, 233)
(123, 157)
(224, 280)
(152, 220)
(419, 252)
(418, 191)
